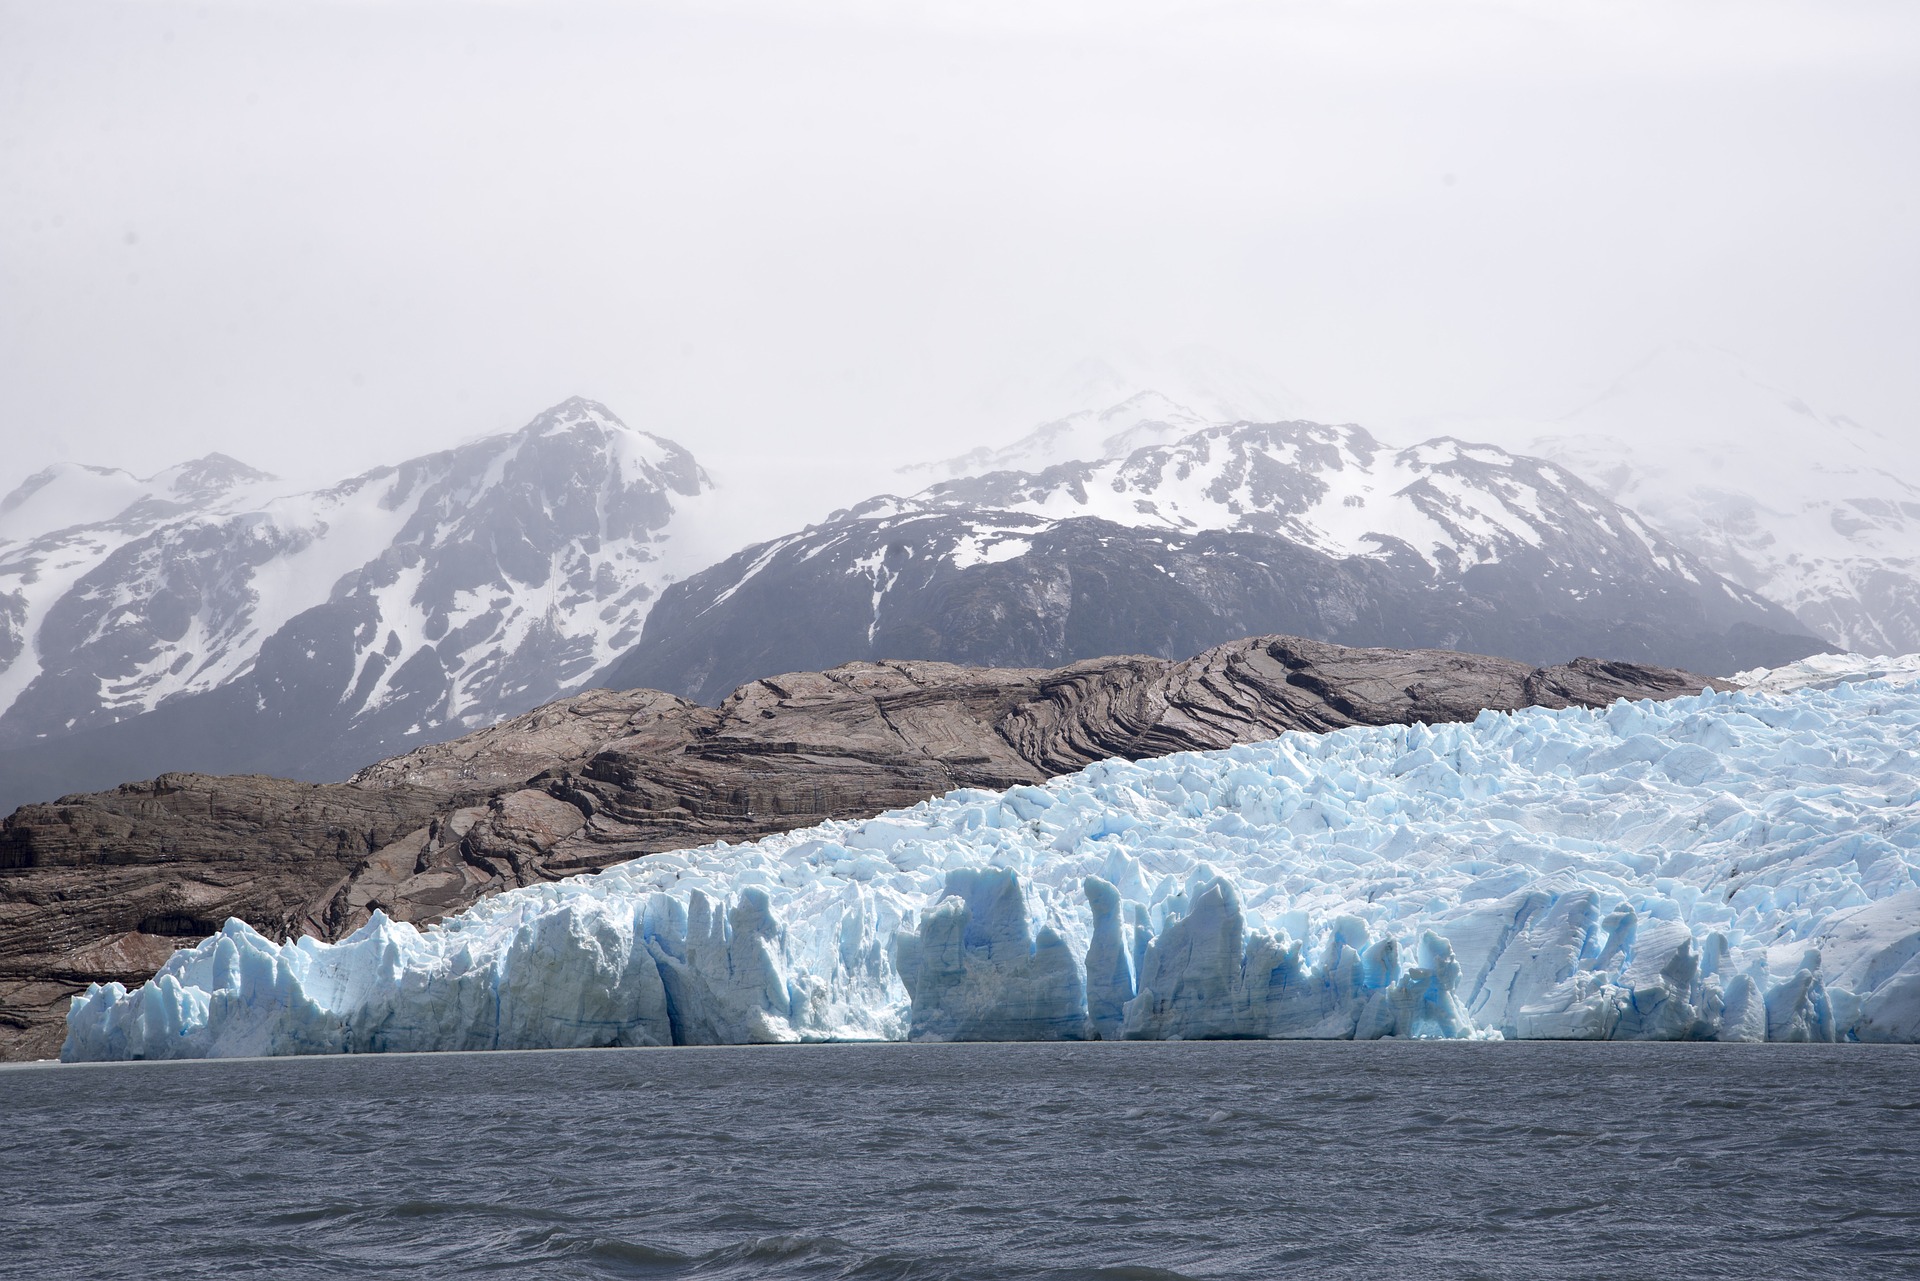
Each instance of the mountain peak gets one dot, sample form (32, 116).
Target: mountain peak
(1213, 385)
(1148, 401)
(575, 412)
(1107, 406)
(208, 477)
(581, 423)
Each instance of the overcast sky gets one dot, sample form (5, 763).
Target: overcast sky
(325, 236)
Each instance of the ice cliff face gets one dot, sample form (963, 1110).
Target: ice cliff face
(409, 602)
(1740, 866)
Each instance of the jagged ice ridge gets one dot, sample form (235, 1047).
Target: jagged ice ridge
(1733, 866)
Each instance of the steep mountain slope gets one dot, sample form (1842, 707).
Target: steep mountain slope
(1814, 511)
(105, 886)
(1299, 527)
(213, 624)
(61, 524)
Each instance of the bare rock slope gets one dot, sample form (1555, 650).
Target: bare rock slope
(105, 885)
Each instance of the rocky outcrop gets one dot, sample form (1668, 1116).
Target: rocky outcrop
(105, 885)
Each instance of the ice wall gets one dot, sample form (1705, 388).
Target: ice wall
(1733, 866)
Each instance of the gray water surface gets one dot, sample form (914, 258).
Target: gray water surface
(1221, 1159)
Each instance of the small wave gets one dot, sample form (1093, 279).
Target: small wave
(632, 1258)
(1876, 1212)
(317, 1214)
(924, 1186)
(823, 1256)
(485, 1209)
(783, 1248)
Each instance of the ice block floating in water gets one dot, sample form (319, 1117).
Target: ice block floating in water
(1732, 866)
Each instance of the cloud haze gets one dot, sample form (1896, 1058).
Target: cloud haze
(320, 237)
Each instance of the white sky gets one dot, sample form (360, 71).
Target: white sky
(325, 236)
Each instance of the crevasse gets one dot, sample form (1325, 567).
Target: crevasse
(1734, 866)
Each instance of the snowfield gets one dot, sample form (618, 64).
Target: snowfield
(1733, 866)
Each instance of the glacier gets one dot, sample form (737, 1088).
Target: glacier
(1733, 866)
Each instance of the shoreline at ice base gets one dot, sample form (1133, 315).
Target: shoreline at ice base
(1735, 866)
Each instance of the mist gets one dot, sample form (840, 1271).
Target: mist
(814, 244)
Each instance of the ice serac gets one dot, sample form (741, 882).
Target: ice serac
(1738, 865)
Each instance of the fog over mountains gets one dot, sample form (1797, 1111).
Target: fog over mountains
(211, 617)
(1075, 232)
(1807, 508)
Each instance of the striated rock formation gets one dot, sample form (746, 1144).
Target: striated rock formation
(105, 885)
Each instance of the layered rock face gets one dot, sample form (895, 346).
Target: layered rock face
(105, 886)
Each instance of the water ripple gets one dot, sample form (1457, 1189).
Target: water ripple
(1149, 1162)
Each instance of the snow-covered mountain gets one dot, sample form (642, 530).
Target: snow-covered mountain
(207, 618)
(1812, 510)
(1232, 530)
(60, 525)
(72, 495)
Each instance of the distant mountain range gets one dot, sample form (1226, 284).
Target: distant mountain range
(1230, 530)
(208, 619)
(213, 618)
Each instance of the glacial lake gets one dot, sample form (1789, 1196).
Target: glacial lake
(1143, 1160)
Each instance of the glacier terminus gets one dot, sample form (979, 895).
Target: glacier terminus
(1732, 866)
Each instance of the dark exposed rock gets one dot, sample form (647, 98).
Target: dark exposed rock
(103, 886)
